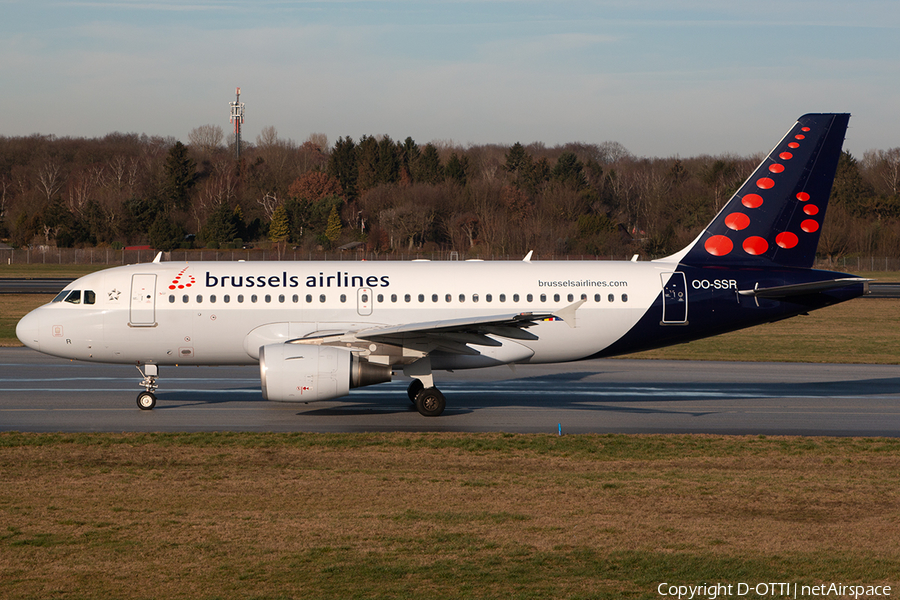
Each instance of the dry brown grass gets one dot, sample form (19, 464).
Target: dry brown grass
(438, 515)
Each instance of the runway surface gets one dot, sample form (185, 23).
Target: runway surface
(40, 393)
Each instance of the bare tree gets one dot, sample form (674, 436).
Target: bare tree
(49, 177)
(206, 139)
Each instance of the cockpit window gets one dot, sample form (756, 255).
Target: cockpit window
(89, 297)
(74, 297)
(61, 296)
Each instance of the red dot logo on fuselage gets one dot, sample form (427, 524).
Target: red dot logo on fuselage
(177, 282)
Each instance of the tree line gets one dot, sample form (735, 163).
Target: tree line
(386, 196)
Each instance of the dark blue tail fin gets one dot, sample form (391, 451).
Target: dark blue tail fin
(775, 218)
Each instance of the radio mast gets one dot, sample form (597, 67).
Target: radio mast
(237, 117)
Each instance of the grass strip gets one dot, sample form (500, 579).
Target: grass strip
(438, 515)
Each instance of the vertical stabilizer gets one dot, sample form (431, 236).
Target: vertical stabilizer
(776, 217)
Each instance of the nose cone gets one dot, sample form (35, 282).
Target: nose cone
(28, 330)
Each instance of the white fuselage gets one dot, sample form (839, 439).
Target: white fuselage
(220, 313)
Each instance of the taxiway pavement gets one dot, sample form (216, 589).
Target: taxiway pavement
(41, 393)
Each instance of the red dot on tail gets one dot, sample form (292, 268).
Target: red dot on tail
(752, 200)
(802, 196)
(776, 168)
(805, 129)
(755, 245)
(737, 221)
(785, 156)
(765, 183)
(718, 245)
(811, 209)
(793, 145)
(786, 239)
(799, 136)
(809, 225)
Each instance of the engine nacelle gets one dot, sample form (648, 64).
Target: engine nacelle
(307, 373)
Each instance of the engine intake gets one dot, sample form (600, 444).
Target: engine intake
(307, 373)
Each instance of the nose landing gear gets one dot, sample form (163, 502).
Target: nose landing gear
(146, 400)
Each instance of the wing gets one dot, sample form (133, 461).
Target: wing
(407, 342)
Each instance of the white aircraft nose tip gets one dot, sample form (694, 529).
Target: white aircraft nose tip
(28, 330)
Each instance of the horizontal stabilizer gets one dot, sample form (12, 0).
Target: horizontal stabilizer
(799, 289)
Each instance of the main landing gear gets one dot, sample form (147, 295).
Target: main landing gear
(429, 401)
(146, 400)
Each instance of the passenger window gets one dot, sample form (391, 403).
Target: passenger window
(407, 298)
(448, 298)
(309, 298)
(253, 298)
(393, 297)
(240, 297)
(529, 298)
(380, 298)
(322, 298)
(611, 298)
(502, 297)
(624, 297)
(488, 298)
(89, 297)
(199, 299)
(184, 299)
(474, 297)
(268, 298)
(364, 298)
(434, 297)
(543, 297)
(462, 297)
(295, 298)
(74, 297)
(281, 297)
(584, 297)
(226, 298)
(596, 297)
(171, 298)
(212, 298)
(556, 297)
(343, 297)
(571, 298)
(421, 297)
(515, 297)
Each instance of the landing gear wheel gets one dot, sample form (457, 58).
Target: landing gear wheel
(146, 400)
(430, 402)
(414, 388)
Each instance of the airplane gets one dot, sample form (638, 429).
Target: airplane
(318, 329)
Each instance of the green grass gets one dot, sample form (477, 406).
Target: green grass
(262, 515)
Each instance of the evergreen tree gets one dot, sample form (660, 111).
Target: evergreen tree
(180, 177)
(164, 234)
(280, 229)
(387, 169)
(569, 171)
(220, 227)
(429, 169)
(367, 163)
(333, 230)
(457, 169)
(342, 166)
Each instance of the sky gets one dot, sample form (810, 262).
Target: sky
(661, 77)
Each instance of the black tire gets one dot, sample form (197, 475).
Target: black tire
(414, 388)
(430, 402)
(146, 400)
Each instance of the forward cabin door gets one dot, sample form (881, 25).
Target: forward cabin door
(675, 299)
(143, 300)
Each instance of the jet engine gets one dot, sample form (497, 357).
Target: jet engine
(308, 373)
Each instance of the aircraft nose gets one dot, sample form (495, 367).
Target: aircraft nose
(28, 330)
